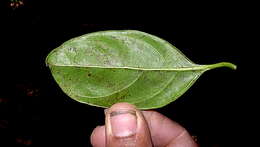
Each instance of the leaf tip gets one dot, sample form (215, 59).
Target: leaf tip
(223, 64)
(229, 65)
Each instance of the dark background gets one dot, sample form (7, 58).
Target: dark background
(35, 112)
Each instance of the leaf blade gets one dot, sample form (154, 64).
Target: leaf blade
(126, 66)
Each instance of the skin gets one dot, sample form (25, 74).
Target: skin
(126, 126)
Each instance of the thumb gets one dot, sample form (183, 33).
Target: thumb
(126, 126)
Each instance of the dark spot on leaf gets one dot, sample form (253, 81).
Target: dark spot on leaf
(73, 49)
(89, 74)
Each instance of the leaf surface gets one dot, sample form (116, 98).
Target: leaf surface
(107, 67)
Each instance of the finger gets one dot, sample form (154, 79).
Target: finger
(98, 137)
(166, 132)
(126, 126)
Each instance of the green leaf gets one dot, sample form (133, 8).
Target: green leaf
(107, 67)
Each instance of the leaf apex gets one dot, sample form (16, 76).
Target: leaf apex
(223, 64)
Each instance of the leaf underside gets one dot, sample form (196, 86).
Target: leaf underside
(108, 67)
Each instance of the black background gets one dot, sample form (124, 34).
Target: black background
(35, 112)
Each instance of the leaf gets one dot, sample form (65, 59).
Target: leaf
(107, 67)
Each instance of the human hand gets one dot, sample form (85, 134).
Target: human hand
(126, 126)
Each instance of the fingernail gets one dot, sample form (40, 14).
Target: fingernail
(105, 111)
(123, 123)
